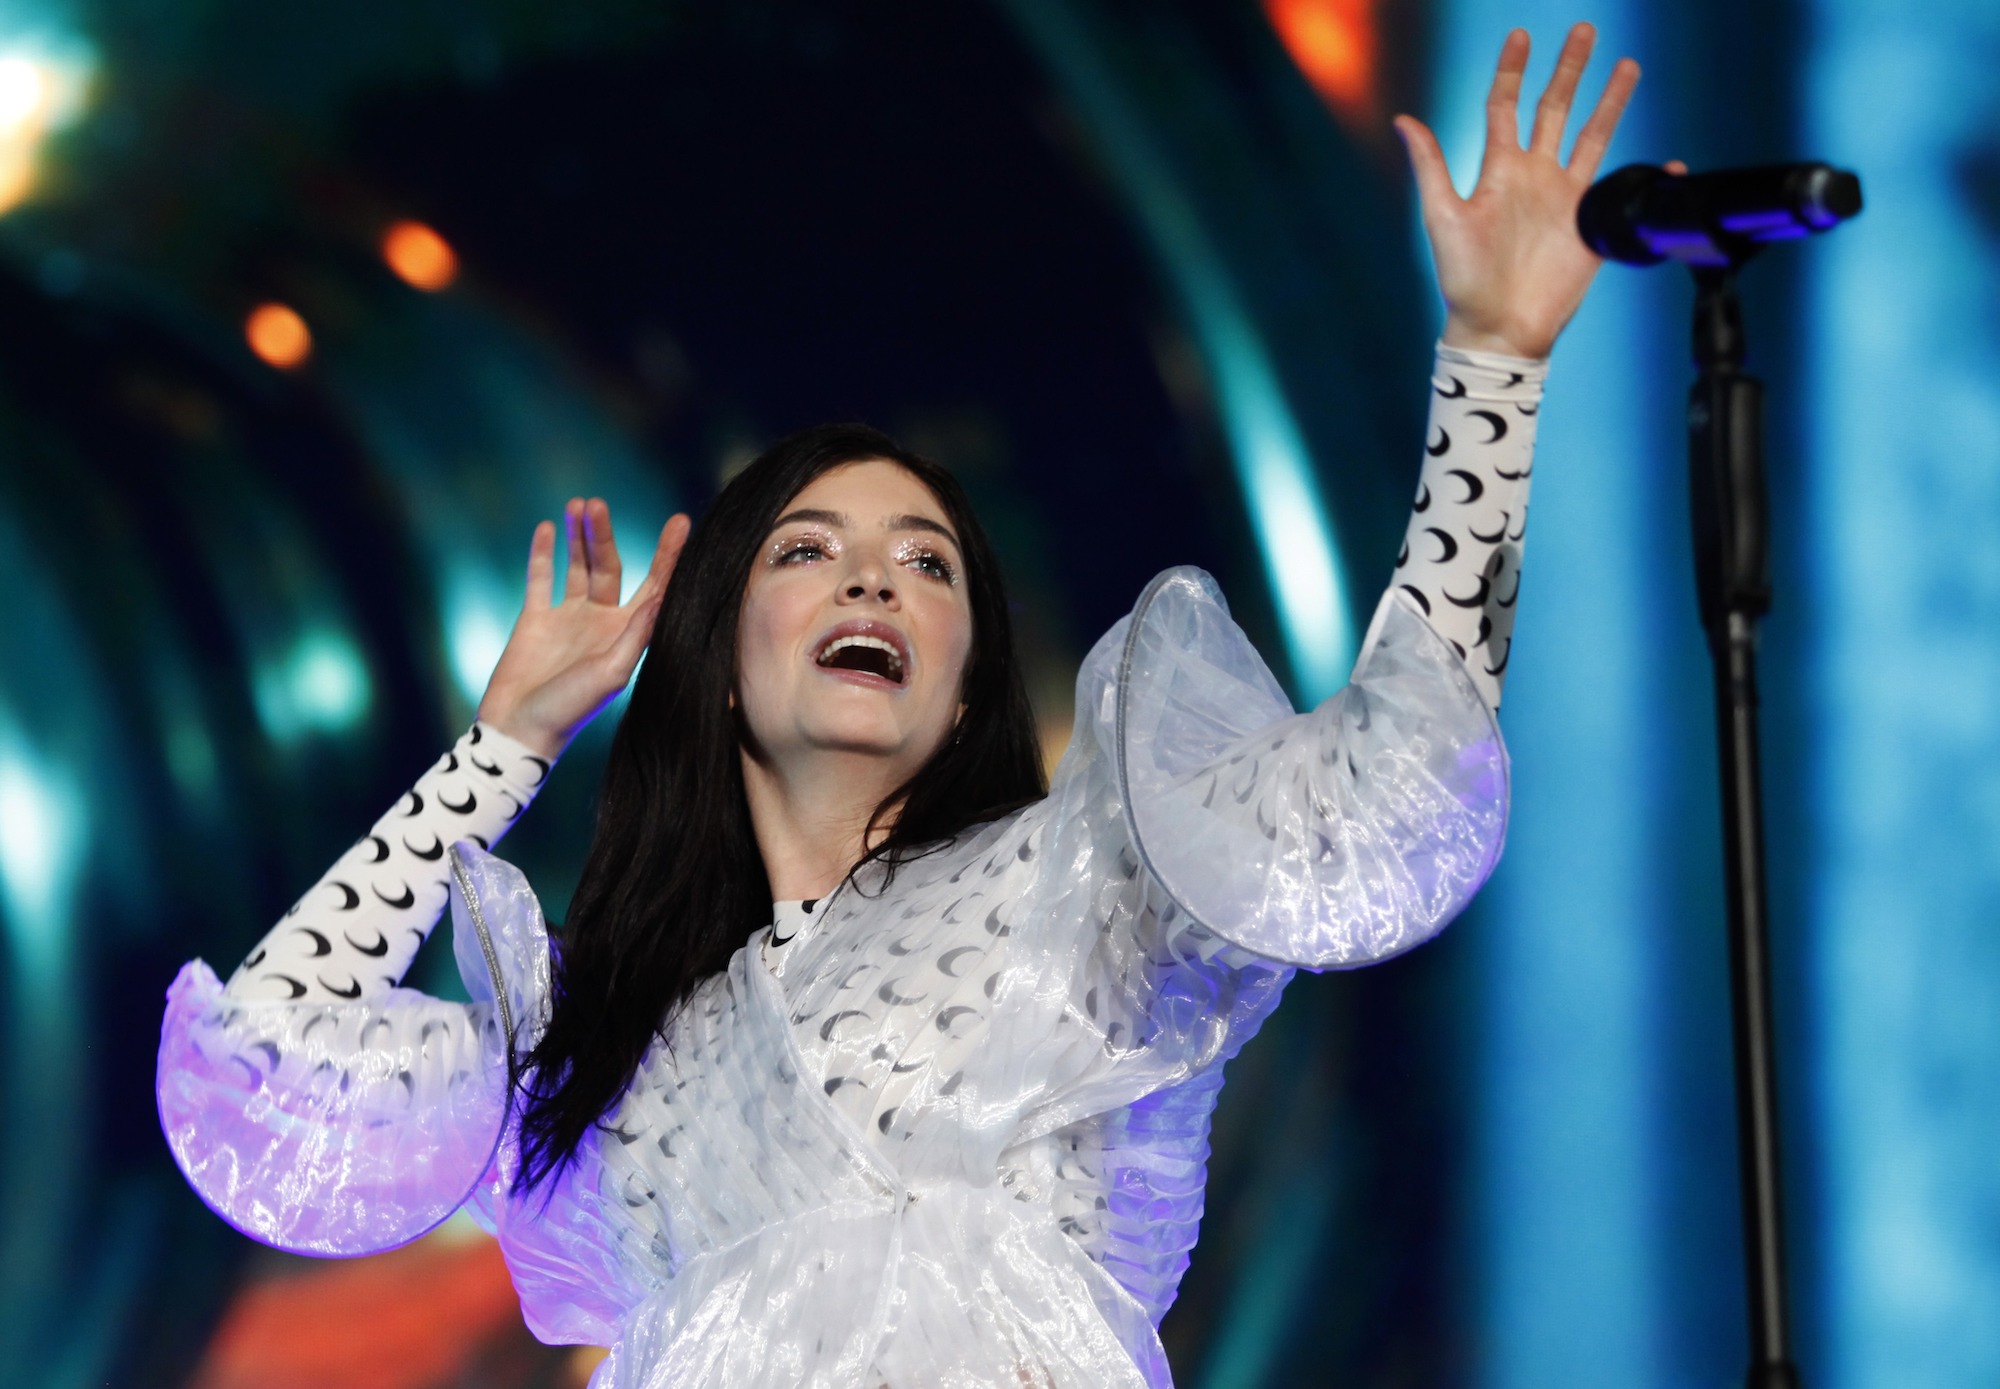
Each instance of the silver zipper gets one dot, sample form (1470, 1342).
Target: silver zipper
(485, 945)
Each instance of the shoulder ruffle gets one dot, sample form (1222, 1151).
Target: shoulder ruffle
(1326, 840)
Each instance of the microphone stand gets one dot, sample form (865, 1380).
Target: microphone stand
(1732, 582)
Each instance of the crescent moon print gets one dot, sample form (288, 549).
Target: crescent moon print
(887, 1118)
(430, 855)
(1493, 418)
(349, 898)
(1529, 410)
(1457, 391)
(377, 950)
(1447, 541)
(1485, 631)
(298, 989)
(1493, 539)
(1404, 557)
(1521, 476)
(352, 991)
(944, 960)
(1477, 600)
(1521, 529)
(1474, 488)
(948, 1016)
(1443, 444)
(1423, 502)
(450, 763)
(491, 769)
(471, 804)
(541, 769)
(321, 945)
(826, 1028)
(381, 848)
(416, 806)
(1513, 597)
(1418, 594)
(514, 809)
(402, 903)
(1505, 652)
(887, 993)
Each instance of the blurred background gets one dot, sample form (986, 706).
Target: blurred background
(309, 313)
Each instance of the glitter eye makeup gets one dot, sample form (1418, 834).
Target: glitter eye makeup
(926, 559)
(798, 549)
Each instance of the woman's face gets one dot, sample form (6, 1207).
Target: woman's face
(856, 624)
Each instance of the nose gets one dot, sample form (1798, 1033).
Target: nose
(869, 576)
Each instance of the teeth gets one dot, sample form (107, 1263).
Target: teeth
(839, 644)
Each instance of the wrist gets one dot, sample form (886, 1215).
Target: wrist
(509, 723)
(1506, 341)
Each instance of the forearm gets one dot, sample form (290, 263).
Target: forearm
(354, 933)
(1461, 557)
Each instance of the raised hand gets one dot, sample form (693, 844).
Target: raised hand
(565, 661)
(1509, 260)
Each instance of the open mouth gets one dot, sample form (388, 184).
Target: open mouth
(862, 652)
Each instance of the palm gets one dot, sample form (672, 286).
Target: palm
(565, 661)
(1510, 263)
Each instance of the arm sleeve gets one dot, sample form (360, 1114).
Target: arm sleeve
(1461, 557)
(355, 931)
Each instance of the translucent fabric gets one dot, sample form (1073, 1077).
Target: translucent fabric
(353, 1127)
(958, 1136)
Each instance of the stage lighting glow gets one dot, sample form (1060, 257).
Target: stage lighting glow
(41, 842)
(477, 618)
(419, 256)
(277, 334)
(25, 95)
(322, 686)
(41, 89)
(1333, 43)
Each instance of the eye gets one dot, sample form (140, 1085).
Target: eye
(800, 549)
(927, 561)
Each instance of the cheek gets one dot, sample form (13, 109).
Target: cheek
(766, 632)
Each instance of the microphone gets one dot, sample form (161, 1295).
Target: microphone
(1642, 215)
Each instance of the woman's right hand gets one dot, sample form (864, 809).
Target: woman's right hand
(565, 661)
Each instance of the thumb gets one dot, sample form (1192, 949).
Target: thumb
(1427, 163)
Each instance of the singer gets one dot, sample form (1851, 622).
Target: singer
(866, 1057)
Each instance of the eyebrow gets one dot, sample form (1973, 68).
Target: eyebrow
(906, 522)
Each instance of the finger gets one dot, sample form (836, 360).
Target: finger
(666, 554)
(1503, 100)
(633, 639)
(576, 578)
(1595, 137)
(606, 573)
(1552, 111)
(542, 565)
(1434, 188)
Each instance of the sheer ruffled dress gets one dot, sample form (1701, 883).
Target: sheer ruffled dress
(956, 1132)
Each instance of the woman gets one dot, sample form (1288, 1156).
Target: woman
(866, 1057)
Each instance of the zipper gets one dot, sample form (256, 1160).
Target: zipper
(464, 882)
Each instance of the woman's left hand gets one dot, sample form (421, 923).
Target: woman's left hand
(1510, 262)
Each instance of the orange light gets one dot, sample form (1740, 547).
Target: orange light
(420, 255)
(278, 335)
(1334, 44)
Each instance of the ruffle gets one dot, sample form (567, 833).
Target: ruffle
(1324, 840)
(351, 1128)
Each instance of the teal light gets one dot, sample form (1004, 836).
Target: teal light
(43, 828)
(478, 615)
(1267, 446)
(320, 686)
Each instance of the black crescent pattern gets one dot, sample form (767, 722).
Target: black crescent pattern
(1469, 518)
(354, 934)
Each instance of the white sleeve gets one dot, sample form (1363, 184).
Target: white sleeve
(1461, 558)
(355, 932)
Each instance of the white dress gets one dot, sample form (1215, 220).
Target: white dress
(953, 1131)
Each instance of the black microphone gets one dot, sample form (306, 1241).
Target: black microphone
(1642, 215)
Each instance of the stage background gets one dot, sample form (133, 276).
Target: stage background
(1147, 275)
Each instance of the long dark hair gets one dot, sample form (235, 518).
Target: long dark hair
(673, 882)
